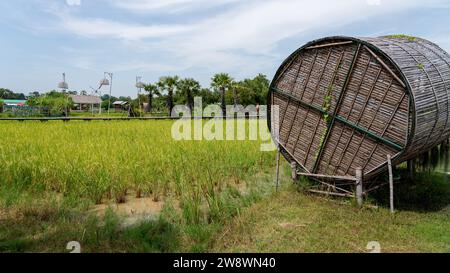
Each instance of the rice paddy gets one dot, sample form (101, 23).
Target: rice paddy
(128, 186)
(102, 161)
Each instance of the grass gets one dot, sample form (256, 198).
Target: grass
(217, 196)
(79, 164)
(100, 161)
(402, 36)
(292, 221)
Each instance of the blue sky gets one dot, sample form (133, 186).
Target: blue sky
(40, 39)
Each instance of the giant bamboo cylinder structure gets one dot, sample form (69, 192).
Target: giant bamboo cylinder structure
(347, 102)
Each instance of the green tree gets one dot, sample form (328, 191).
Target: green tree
(10, 95)
(169, 84)
(208, 96)
(53, 103)
(105, 101)
(254, 91)
(222, 82)
(188, 88)
(34, 94)
(152, 90)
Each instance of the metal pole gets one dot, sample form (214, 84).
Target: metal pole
(278, 168)
(139, 89)
(391, 184)
(101, 102)
(110, 91)
(359, 187)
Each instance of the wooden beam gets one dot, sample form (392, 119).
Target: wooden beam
(386, 67)
(359, 187)
(330, 44)
(337, 177)
(370, 133)
(331, 193)
(391, 184)
(297, 100)
(340, 119)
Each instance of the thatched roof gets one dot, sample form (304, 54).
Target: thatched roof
(80, 99)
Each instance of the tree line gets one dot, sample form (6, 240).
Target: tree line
(224, 90)
(168, 91)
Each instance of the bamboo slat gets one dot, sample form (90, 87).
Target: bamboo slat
(395, 100)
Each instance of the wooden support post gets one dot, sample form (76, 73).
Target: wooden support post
(278, 168)
(391, 184)
(294, 171)
(445, 146)
(359, 187)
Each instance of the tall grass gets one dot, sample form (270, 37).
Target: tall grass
(106, 161)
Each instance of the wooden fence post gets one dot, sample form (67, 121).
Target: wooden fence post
(294, 171)
(391, 184)
(278, 168)
(359, 187)
(445, 147)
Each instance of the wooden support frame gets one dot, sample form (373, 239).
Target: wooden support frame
(385, 66)
(359, 187)
(341, 119)
(330, 44)
(336, 177)
(294, 173)
(391, 184)
(357, 181)
(408, 137)
(278, 169)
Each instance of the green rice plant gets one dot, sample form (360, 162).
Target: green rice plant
(106, 161)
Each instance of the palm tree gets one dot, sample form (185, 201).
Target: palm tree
(189, 87)
(169, 84)
(152, 89)
(237, 88)
(222, 82)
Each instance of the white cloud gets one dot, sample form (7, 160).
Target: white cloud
(168, 6)
(100, 28)
(73, 2)
(246, 32)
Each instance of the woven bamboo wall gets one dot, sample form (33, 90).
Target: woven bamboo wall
(346, 103)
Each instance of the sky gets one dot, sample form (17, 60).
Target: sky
(41, 39)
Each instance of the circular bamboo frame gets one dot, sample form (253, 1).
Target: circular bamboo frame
(349, 102)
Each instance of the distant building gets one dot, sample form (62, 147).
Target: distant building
(120, 105)
(14, 103)
(85, 102)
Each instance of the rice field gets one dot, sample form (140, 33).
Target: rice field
(211, 194)
(101, 161)
(94, 163)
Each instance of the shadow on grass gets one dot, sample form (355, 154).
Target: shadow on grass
(50, 230)
(425, 192)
